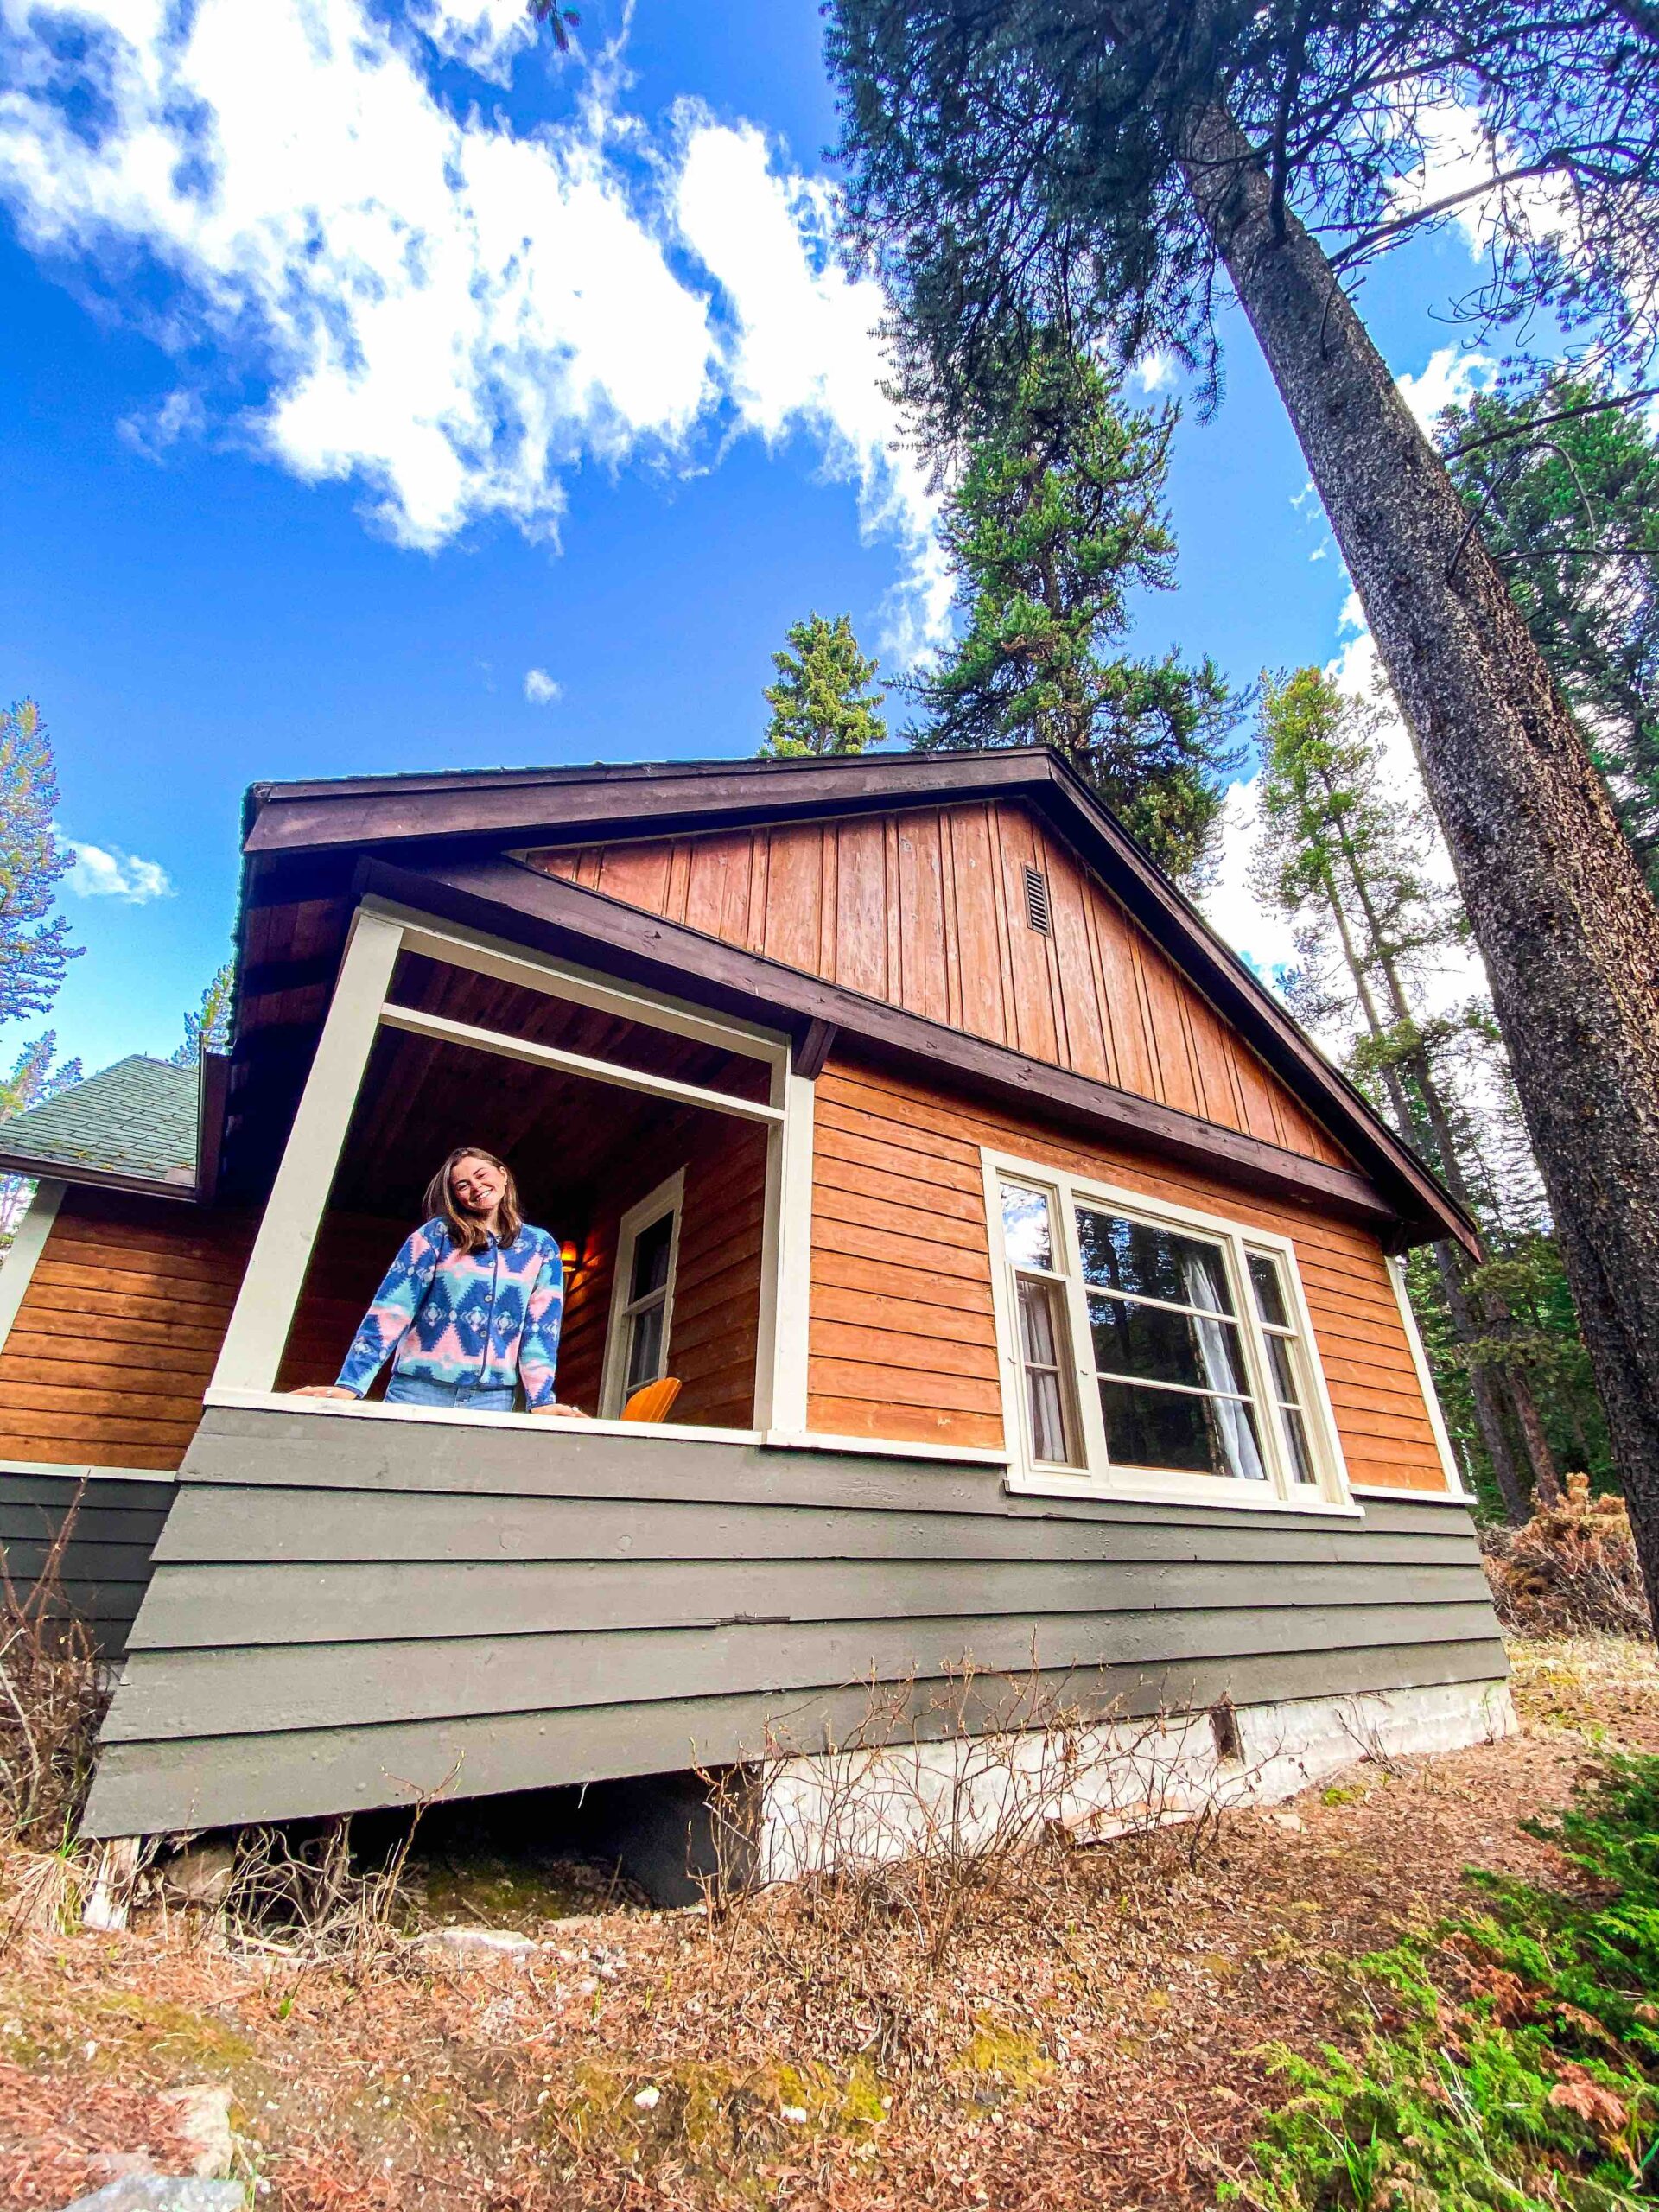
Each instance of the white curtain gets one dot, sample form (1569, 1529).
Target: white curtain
(1237, 1441)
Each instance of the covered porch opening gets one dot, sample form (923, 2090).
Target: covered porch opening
(645, 1136)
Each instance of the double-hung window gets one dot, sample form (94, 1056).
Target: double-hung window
(1150, 1348)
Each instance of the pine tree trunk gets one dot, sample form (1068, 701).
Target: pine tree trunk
(1569, 931)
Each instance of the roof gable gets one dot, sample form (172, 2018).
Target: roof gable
(323, 843)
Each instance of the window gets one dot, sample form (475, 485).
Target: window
(1153, 1349)
(642, 1296)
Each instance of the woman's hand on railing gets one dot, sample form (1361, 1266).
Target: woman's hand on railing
(321, 1390)
(561, 1412)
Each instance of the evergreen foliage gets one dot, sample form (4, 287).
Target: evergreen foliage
(826, 699)
(1570, 509)
(1058, 515)
(33, 952)
(208, 1029)
(33, 1080)
(1019, 165)
(1345, 855)
(1512, 2061)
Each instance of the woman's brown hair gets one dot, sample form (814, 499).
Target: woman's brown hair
(467, 1233)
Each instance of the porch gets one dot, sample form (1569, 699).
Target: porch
(353, 1607)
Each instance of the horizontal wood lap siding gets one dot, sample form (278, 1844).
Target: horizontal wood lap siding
(902, 1344)
(119, 1331)
(927, 909)
(332, 1624)
(101, 1571)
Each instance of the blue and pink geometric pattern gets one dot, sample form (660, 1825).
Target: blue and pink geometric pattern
(489, 1317)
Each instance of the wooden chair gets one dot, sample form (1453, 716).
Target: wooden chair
(651, 1400)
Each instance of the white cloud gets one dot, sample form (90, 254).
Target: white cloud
(1460, 156)
(1452, 378)
(540, 689)
(803, 349)
(445, 310)
(1156, 372)
(108, 873)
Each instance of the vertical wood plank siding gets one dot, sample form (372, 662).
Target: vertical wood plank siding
(334, 1623)
(117, 1336)
(902, 1341)
(926, 910)
(102, 1569)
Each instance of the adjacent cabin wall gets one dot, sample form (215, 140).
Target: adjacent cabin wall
(714, 1326)
(118, 1331)
(902, 1343)
(102, 1568)
(927, 909)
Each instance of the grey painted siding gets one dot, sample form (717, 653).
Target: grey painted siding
(346, 1611)
(104, 1566)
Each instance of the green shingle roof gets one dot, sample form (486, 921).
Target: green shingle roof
(136, 1118)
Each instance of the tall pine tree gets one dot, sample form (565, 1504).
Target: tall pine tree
(826, 699)
(1058, 515)
(208, 1028)
(1563, 483)
(33, 862)
(1342, 856)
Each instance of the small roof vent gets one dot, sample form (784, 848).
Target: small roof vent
(1037, 901)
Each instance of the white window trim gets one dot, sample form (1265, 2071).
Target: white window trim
(1095, 1479)
(669, 1196)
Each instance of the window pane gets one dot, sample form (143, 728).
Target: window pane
(1047, 1415)
(1144, 1340)
(1131, 1256)
(1301, 1458)
(1039, 1336)
(1284, 1370)
(1270, 1291)
(651, 1250)
(1164, 1429)
(646, 1345)
(1025, 1227)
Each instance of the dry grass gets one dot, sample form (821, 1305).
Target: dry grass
(51, 1698)
(1089, 2032)
(1571, 1570)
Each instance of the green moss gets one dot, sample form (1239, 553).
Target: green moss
(998, 2057)
(200, 2041)
(717, 2122)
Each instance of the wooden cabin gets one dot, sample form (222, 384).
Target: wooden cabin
(1034, 1287)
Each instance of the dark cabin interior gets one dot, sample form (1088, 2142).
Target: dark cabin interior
(583, 1152)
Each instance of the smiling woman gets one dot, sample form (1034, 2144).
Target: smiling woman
(470, 1309)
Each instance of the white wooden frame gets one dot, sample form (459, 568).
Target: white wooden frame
(28, 1243)
(668, 1197)
(1425, 1382)
(1097, 1476)
(269, 1292)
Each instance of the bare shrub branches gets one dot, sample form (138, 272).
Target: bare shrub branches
(52, 1700)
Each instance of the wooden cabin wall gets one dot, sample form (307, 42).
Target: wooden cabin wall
(119, 1331)
(926, 910)
(903, 1344)
(715, 1328)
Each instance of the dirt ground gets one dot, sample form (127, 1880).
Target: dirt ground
(1093, 2034)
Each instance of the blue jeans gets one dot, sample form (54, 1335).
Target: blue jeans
(460, 1397)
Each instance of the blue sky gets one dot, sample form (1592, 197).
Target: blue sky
(360, 364)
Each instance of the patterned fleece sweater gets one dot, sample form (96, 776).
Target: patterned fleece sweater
(489, 1317)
